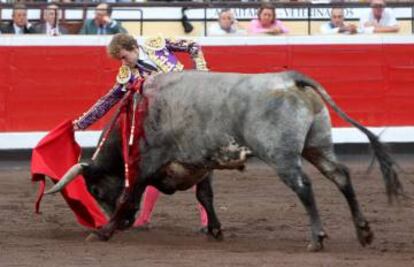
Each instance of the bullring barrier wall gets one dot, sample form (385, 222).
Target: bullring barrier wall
(46, 80)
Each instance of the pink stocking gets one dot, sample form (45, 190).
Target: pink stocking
(203, 215)
(150, 198)
(202, 211)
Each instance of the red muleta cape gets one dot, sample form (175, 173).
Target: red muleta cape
(52, 157)
(58, 151)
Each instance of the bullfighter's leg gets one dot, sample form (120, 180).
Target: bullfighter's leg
(324, 159)
(204, 194)
(151, 196)
(288, 167)
(203, 215)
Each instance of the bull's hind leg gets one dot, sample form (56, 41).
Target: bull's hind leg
(289, 169)
(204, 194)
(324, 159)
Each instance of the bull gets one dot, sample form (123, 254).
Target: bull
(193, 119)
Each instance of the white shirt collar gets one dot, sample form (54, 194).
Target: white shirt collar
(51, 30)
(17, 29)
(144, 57)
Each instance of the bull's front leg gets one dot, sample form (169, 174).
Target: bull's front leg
(134, 206)
(204, 194)
(122, 206)
(124, 214)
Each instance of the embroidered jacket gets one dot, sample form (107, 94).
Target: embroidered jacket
(156, 55)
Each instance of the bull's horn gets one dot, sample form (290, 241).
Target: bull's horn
(67, 178)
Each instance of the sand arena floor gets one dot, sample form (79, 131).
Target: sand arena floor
(264, 224)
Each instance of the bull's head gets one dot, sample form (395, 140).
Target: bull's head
(104, 187)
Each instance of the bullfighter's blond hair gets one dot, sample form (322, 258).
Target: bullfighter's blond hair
(121, 41)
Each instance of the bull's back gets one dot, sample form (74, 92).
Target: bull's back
(191, 104)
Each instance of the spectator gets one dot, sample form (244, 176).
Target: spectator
(267, 22)
(62, 1)
(102, 23)
(19, 23)
(337, 23)
(226, 24)
(379, 19)
(50, 26)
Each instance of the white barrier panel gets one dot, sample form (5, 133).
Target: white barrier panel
(27, 140)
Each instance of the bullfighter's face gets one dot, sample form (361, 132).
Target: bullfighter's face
(129, 57)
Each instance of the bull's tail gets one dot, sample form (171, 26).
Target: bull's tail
(392, 183)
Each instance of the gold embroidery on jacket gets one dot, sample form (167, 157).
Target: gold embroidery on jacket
(163, 63)
(158, 43)
(155, 43)
(124, 75)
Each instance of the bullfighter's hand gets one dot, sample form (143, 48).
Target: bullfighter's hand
(75, 125)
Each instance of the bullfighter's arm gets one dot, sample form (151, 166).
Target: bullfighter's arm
(100, 108)
(192, 48)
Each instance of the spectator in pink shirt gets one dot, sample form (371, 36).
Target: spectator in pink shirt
(267, 22)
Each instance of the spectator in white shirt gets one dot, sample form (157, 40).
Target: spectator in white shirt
(19, 24)
(337, 24)
(51, 26)
(226, 24)
(379, 19)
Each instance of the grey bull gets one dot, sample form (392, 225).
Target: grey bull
(194, 117)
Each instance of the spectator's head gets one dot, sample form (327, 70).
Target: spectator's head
(19, 15)
(226, 19)
(124, 47)
(266, 15)
(377, 8)
(103, 12)
(50, 13)
(337, 17)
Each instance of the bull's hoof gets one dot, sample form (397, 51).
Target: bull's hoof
(364, 234)
(92, 237)
(203, 230)
(105, 233)
(143, 226)
(216, 233)
(125, 225)
(315, 247)
(242, 168)
(317, 244)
